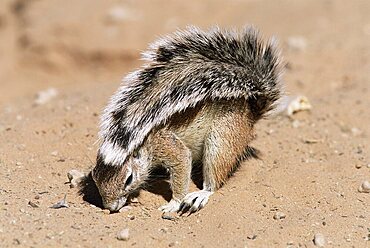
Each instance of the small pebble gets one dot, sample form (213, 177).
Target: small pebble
(299, 103)
(132, 217)
(297, 43)
(61, 204)
(279, 216)
(54, 153)
(169, 216)
(365, 187)
(75, 177)
(319, 240)
(252, 237)
(125, 209)
(45, 96)
(120, 14)
(123, 234)
(32, 204)
(358, 166)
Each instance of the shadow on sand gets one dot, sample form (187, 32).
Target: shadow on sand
(158, 181)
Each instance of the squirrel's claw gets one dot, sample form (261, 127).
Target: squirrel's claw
(194, 201)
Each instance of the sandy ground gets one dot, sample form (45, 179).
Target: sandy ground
(312, 166)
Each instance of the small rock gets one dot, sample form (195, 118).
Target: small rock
(252, 236)
(123, 234)
(311, 141)
(300, 103)
(172, 244)
(77, 227)
(319, 240)
(358, 166)
(365, 187)
(125, 209)
(45, 96)
(168, 216)
(61, 204)
(279, 216)
(54, 153)
(297, 43)
(32, 204)
(131, 217)
(119, 14)
(75, 177)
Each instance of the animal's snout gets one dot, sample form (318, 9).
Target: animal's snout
(116, 205)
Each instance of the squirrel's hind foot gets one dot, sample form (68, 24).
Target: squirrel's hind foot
(194, 201)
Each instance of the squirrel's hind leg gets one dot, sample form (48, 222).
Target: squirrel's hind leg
(230, 134)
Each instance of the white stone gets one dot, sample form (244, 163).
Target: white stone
(365, 187)
(319, 240)
(75, 177)
(45, 96)
(123, 234)
(297, 43)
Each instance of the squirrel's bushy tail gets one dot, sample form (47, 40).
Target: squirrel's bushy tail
(184, 69)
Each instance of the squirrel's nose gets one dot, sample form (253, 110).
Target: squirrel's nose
(116, 205)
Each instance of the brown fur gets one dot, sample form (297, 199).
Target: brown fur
(215, 134)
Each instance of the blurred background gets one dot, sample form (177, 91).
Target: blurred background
(67, 43)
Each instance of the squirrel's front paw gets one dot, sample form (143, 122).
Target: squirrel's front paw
(194, 201)
(172, 206)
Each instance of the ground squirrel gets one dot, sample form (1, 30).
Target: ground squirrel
(195, 101)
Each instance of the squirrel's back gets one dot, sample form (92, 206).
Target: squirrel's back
(183, 70)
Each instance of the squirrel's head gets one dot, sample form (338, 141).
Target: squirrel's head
(117, 182)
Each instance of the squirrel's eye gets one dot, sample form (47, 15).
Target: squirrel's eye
(135, 154)
(128, 181)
